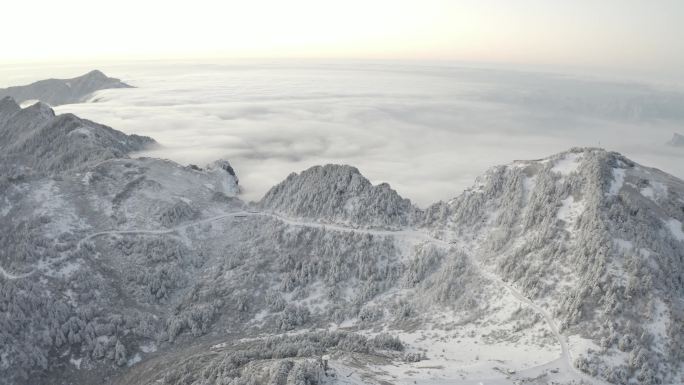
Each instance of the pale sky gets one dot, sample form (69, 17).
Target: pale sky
(641, 35)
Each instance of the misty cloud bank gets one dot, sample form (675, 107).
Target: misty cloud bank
(427, 130)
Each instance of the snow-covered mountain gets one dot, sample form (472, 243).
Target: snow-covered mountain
(597, 240)
(35, 140)
(566, 269)
(63, 91)
(339, 194)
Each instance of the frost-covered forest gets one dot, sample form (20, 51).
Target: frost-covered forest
(139, 271)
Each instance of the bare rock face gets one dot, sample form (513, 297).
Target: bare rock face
(63, 91)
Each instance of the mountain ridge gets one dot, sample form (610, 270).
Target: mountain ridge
(56, 92)
(141, 270)
(36, 140)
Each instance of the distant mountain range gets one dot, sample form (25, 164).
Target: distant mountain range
(121, 270)
(56, 92)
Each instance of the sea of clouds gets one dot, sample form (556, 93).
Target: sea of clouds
(427, 129)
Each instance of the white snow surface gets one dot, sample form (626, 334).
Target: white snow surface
(655, 190)
(570, 210)
(76, 362)
(494, 347)
(618, 181)
(568, 163)
(150, 347)
(675, 228)
(134, 360)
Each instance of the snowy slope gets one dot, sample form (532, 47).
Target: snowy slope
(339, 194)
(141, 271)
(595, 238)
(35, 140)
(63, 91)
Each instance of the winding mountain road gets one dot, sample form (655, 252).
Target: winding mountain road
(9, 275)
(564, 361)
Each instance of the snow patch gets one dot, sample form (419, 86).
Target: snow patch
(675, 227)
(6, 207)
(493, 349)
(148, 348)
(66, 270)
(87, 178)
(567, 164)
(259, 318)
(570, 210)
(654, 191)
(72, 297)
(351, 204)
(50, 203)
(76, 362)
(134, 360)
(618, 181)
(579, 345)
(624, 245)
(659, 323)
(648, 192)
(528, 186)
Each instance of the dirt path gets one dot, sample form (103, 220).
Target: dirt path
(565, 361)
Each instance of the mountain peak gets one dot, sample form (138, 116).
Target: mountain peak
(7, 104)
(41, 108)
(572, 160)
(43, 142)
(339, 194)
(63, 91)
(226, 181)
(95, 74)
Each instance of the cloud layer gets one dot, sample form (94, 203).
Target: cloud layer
(427, 130)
